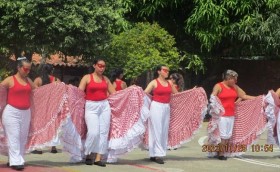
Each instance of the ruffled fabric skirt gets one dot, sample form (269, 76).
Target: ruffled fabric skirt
(273, 117)
(58, 112)
(250, 122)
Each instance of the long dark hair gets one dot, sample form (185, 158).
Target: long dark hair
(46, 71)
(21, 60)
(179, 80)
(19, 63)
(116, 73)
(90, 69)
(95, 61)
(158, 68)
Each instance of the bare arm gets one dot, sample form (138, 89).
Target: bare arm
(241, 94)
(174, 90)
(124, 86)
(57, 80)
(216, 90)
(33, 86)
(111, 88)
(114, 85)
(38, 82)
(7, 82)
(84, 82)
(150, 87)
(278, 92)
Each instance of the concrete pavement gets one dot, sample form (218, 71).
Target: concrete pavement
(187, 158)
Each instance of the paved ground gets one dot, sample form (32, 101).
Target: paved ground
(187, 158)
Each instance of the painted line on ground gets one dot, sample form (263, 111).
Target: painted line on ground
(201, 142)
(146, 167)
(276, 150)
(39, 166)
(257, 162)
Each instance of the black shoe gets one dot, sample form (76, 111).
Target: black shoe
(88, 162)
(222, 158)
(17, 167)
(100, 163)
(37, 152)
(157, 160)
(53, 150)
(216, 156)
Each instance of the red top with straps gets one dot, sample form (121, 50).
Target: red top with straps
(162, 94)
(96, 91)
(228, 97)
(52, 79)
(19, 95)
(118, 85)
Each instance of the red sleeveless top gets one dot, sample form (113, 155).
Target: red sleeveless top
(118, 85)
(228, 97)
(19, 95)
(52, 79)
(96, 91)
(162, 94)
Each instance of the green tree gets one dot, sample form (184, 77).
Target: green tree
(74, 27)
(141, 49)
(4, 63)
(169, 14)
(248, 27)
(262, 29)
(215, 28)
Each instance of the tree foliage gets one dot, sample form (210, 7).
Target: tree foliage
(142, 48)
(263, 29)
(148, 8)
(204, 27)
(4, 63)
(245, 24)
(72, 26)
(222, 28)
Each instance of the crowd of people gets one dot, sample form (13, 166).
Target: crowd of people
(98, 88)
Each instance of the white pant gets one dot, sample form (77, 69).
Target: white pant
(158, 128)
(226, 126)
(97, 117)
(16, 125)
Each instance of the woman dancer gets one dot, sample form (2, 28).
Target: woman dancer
(97, 112)
(178, 81)
(43, 79)
(117, 77)
(228, 92)
(17, 114)
(159, 113)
